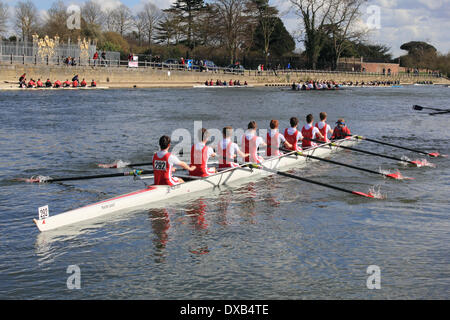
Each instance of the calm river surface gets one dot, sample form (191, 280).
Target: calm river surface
(273, 238)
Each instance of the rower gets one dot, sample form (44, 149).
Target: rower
(310, 132)
(48, 83)
(93, 83)
(341, 131)
(22, 77)
(57, 84)
(39, 84)
(275, 140)
(228, 150)
(323, 127)
(251, 142)
(66, 83)
(293, 135)
(75, 83)
(83, 83)
(31, 83)
(200, 154)
(164, 162)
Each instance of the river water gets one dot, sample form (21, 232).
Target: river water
(273, 238)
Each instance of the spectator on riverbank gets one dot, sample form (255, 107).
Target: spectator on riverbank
(95, 58)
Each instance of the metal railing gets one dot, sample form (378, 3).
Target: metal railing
(114, 63)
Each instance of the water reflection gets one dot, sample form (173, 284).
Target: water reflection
(160, 225)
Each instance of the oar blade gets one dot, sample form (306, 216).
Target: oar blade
(361, 194)
(419, 108)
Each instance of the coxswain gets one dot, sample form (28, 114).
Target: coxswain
(83, 83)
(39, 84)
(228, 150)
(341, 131)
(309, 132)
(323, 127)
(275, 140)
(75, 78)
(66, 83)
(251, 142)
(293, 135)
(48, 83)
(57, 84)
(200, 154)
(206, 83)
(245, 83)
(93, 83)
(164, 162)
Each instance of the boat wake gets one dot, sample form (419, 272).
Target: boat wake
(394, 174)
(116, 164)
(419, 162)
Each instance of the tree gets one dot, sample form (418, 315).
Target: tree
(188, 11)
(169, 28)
(56, 21)
(152, 16)
(267, 20)
(92, 13)
(3, 17)
(122, 19)
(320, 18)
(140, 23)
(232, 24)
(26, 19)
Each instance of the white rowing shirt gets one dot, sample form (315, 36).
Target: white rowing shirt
(250, 136)
(291, 131)
(173, 160)
(281, 138)
(314, 132)
(234, 147)
(322, 124)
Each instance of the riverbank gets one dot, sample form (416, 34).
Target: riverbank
(115, 77)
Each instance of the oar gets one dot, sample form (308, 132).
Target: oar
(437, 113)
(434, 154)
(284, 174)
(396, 176)
(420, 108)
(41, 179)
(416, 163)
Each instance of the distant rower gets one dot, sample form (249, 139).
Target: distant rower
(164, 162)
(200, 154)
(228, 150)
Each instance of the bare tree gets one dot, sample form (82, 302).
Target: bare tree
(56, 20)
(122, 19)
(108, 20)
(26, 19)
(140, 23)
(152, 16)
(92, 13)
(3, 17)
(233, 24)
(320, 17)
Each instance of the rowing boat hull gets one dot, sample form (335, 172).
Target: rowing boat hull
(221, 87)
(50, 89)
(154, 194)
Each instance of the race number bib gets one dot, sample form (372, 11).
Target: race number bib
(160, 165)
(43, 213)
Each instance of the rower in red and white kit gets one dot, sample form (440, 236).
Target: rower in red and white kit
(228, 150)
(275, 140)
(164, 162)
(323, 127)
(251, 142)
(293, 135)
(310, 132)
(200, 154)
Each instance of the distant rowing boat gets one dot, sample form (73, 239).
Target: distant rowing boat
(222, 87)
(61, 88)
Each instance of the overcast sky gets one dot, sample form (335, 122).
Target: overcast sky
(400, 20)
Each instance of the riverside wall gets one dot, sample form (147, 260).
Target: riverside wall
(149, 77)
